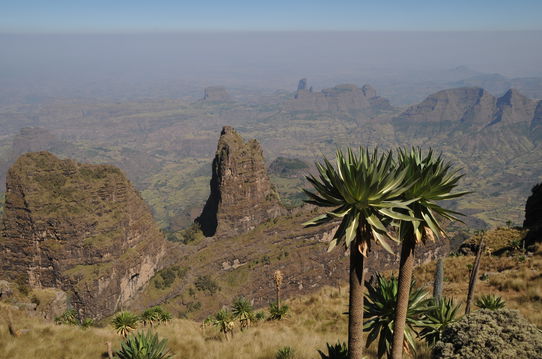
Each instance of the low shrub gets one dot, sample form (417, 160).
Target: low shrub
(336, 351)
(490, 334)
(276, 312)
(285, 353)
(204, 283)
(490, 302)
(143, 346)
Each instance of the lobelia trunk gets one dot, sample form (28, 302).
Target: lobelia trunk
(403, 294)
(474, 274)
(355, 305)
(439, 279)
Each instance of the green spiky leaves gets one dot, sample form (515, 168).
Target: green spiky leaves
(433, 180)
(365, 188)
(371, 191)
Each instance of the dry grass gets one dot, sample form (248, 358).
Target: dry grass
(313, 319)
(516, 278)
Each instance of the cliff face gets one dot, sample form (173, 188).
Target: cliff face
(241, 193)
(472, 107)
(341, 98)
(533, 215)
(216, 94)
(81, 228)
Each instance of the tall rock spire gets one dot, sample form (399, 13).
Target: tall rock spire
(241, 193)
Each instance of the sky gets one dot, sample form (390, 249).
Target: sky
(113, 16)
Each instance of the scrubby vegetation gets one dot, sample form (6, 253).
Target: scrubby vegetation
(490, 334)
(143, 345)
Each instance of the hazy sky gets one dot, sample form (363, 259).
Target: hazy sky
(181, 15)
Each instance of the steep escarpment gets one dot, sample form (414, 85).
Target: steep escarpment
(221, 269)
(469, 108)
(346, 98)
(78, 227)
(533, 215)
(241, 193)
(216, 94)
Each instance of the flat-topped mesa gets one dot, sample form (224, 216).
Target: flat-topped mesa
(241, 194)
(78, 227)
(216, 94)
(341, 98)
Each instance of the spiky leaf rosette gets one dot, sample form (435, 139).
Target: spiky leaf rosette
(380, 304)
(365, 190)
(442, 313)
(431, 180)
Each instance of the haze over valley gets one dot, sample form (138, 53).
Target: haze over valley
(165, 184)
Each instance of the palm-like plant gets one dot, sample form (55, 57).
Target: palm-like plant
(442, 313)
(490, 301)
(242, 310)
(223, 320)
(125, 322)
(380, 311)
(361, 192)
(336, 351)
(151, 316)
(277, 312)
(431, 180)
(143, 346)
(155, 315)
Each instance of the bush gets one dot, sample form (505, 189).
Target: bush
(285, 353)
(204, 283)
(337, 351)
(155, 315)
(166, 277)
(260, 316)
(191, 234)
(242, 310)
(276, 312)
(490, 301)
(69, 317)
(125, 322)
(379, 311)
(143, 346)
(87, 323)
(490, 334)
(443, 312)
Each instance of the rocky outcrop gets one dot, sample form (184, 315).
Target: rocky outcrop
(216, 94)
(29, 139)
(471, 107)
(533, 215)
(241, 193)
(302, 85)
(345, 98)
(80, 228)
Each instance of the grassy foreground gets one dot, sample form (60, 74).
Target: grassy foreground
(313, 319)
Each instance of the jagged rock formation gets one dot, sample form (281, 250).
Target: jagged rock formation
(533, 215)
(216, 94)
(473, 121)
(302, 85)
(241, 193)
(472, 107)
(341, 98)
(78, 227)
